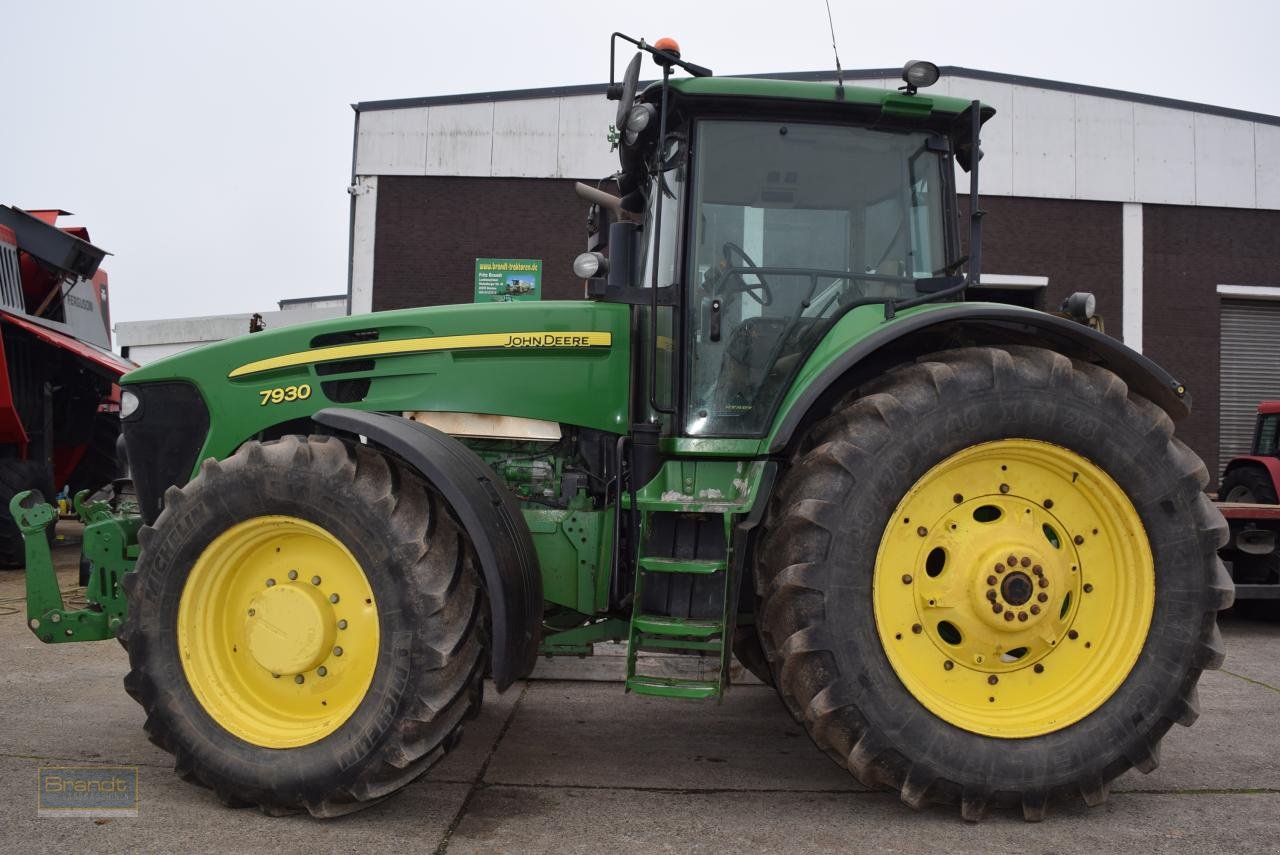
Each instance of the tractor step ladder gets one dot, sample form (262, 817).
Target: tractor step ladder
(692, 636)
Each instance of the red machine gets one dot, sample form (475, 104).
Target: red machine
(59, 401)
(1248, 492)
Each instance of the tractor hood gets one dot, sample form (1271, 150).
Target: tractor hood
(558, 361)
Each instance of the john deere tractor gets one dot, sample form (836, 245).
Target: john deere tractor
(960, 539)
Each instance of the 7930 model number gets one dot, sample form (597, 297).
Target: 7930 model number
(284, 394)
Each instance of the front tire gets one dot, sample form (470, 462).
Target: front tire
(891, 643)
(305, 627)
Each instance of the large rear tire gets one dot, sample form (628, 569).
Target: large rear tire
(305, 627)
(991, 578)
(1250, 484)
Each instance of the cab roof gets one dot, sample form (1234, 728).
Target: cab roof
(889, 102)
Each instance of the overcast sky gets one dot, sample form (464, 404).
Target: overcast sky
(209, 147)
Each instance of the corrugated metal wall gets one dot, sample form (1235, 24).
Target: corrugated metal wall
(1043, 143)
(1249, 373)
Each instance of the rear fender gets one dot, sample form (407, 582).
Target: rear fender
(488, 513)
(967, 324)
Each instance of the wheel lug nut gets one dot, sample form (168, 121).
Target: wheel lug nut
(1088, 589)
(1043, 583)
(342, 624)
(1004, 488)
(1038, 668)
(906, 578)
(1038, 570)
(337, 651)
(948, 665)
(991, 595)
(997, 608)
(922, 531)
(299, 679)
(1008, 615)
(1022, 615)
(333, 598)
(315, 580)
(252, 612)
(991, 580)
(293, 574)
(322, 671)
(1048, 503)
(270, 582)
(915, 627)
(1026, 562)
(957, 498)
(993, 679)
(1013, 561)
(1035, 610)
(1079, 539)
(1072, 634)
(1042, 597)
(999, 568)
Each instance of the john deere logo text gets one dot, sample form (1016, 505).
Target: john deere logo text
(548, 340)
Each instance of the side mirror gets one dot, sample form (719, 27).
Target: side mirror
(624, 249)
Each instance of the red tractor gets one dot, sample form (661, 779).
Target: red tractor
(1255, 477)
(1248, 493)
(59, 402)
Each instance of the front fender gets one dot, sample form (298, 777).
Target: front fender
(489, 514)
(850, 355)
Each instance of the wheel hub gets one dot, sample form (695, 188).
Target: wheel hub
(290, 628)
(1013, 588)
(1016, 588)
(278, 631)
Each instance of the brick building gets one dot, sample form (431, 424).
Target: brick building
(1168, 211)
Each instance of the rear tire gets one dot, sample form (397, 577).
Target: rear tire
(16, 476)
(423, 614)
(1250, 484)
(823, 591)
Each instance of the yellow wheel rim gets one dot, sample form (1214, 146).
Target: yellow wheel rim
(278, 631)
(1013, 588)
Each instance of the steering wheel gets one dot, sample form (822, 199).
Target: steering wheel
(735, 284)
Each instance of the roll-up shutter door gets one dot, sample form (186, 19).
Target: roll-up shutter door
(1249, 371)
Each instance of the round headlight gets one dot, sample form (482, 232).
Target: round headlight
(589, 265)
(638, 119)
(920, 73)
(1081, 305)
(129, 403)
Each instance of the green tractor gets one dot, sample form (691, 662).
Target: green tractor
(958, 538)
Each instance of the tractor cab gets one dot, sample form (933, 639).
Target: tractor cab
(754, 214)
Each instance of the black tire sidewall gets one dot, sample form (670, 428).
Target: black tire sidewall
(335, 762)
(1123, 444)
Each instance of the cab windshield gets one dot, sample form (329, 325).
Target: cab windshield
(793, 223)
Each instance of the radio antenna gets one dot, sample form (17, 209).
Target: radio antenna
(836, 51)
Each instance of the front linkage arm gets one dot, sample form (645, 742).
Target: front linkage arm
(110, 544)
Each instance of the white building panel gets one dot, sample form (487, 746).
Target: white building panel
(392, 142)
(1225, 166)
(1266, 147)
(1164, 162)
(996, 169)
(525, 137)
(1104, 149)
(1043, 143)
(584, 137)
(460, 139)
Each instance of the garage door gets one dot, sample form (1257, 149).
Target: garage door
(1249, 371)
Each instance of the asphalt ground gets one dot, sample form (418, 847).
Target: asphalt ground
(563, 766)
